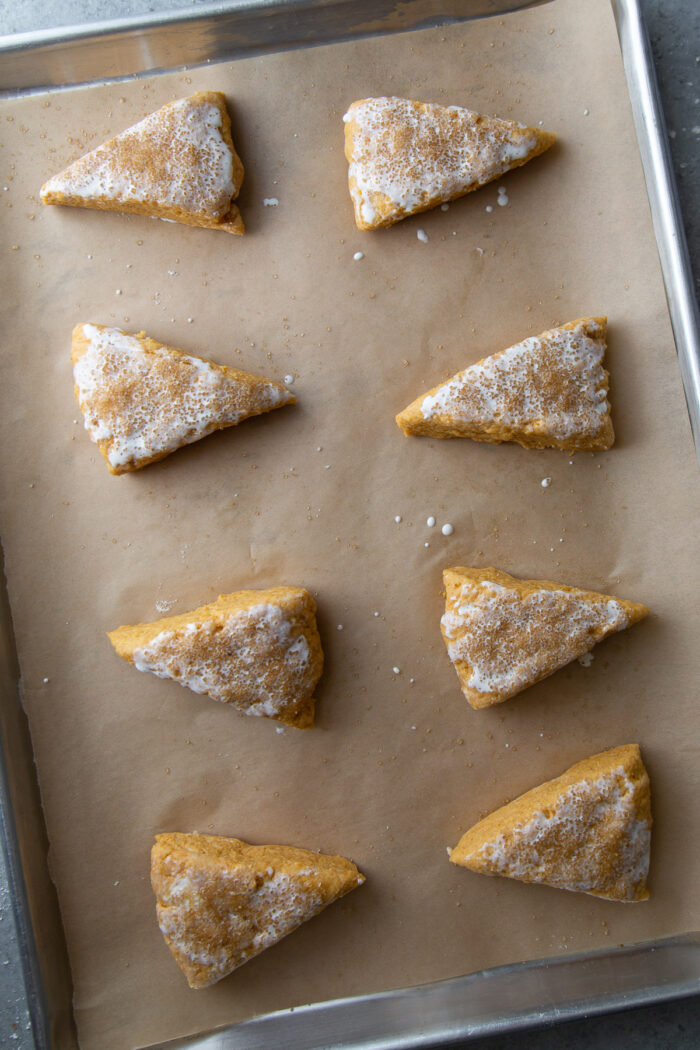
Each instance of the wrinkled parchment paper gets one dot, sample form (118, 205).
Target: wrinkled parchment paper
(399, 765)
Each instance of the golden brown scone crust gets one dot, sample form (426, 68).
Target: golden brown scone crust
(221, 901)
(588, 830)
(504, 634)
(406, 157)
(164, 166)
(550, 391)
(257, 650)
(142, 399)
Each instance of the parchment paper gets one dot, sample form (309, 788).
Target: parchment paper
(399, 765)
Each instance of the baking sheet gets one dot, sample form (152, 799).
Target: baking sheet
(121, 756)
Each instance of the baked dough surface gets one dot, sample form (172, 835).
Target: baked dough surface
(178, 163)
(257, 650)
(220, 901)
(589, 830)
(504, 634)
(142, 400)
(549, 391)
(406, 157)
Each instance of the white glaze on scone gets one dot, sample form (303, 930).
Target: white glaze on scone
(141, 400)
(548, 391)
(503, 634)
(273, 910)
(406, 156)
(178, 157)
(222, 901)
(588, 830)
(600, 809)
(511, 641)
(254, 659)
(512, 387)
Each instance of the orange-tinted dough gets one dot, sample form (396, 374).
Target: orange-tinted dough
(257, 650)
(142, 400)
(221, 901)
(178, 163)
(406, 157)
(549, 391)
(589, 830)
(504, 634)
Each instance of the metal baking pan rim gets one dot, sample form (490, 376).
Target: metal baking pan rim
(120, 49)
(488, 1002)
(679, 972)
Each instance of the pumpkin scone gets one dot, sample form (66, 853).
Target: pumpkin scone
(549, 391)
(142, 400)
(257, 650)
(221, 901)
(588, 831)
(504, 634)
(178, 163)
(406, 157)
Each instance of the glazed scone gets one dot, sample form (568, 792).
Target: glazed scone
(257, 650)
(503, 634)
(406, 157)
(142, 400)
(588, 831)
(220, 901)
(549, 391)
(178, 163)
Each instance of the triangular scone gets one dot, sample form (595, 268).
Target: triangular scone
(406, 157)
(142, 400)
(588, 830)
(257, 650)
(503, 634)
(550, 391)
(220, 901)
(178, 163)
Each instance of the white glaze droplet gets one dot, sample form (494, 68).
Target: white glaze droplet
(397, 519)
(396, 670)
(430, 522)
(270, 202)
(447, 529)
(422, 236)
(358, 255)
(288, 380)
(546, 482)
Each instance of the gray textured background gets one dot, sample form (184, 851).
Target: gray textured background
(674, 29)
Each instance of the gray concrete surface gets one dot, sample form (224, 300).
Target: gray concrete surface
(674, 29)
